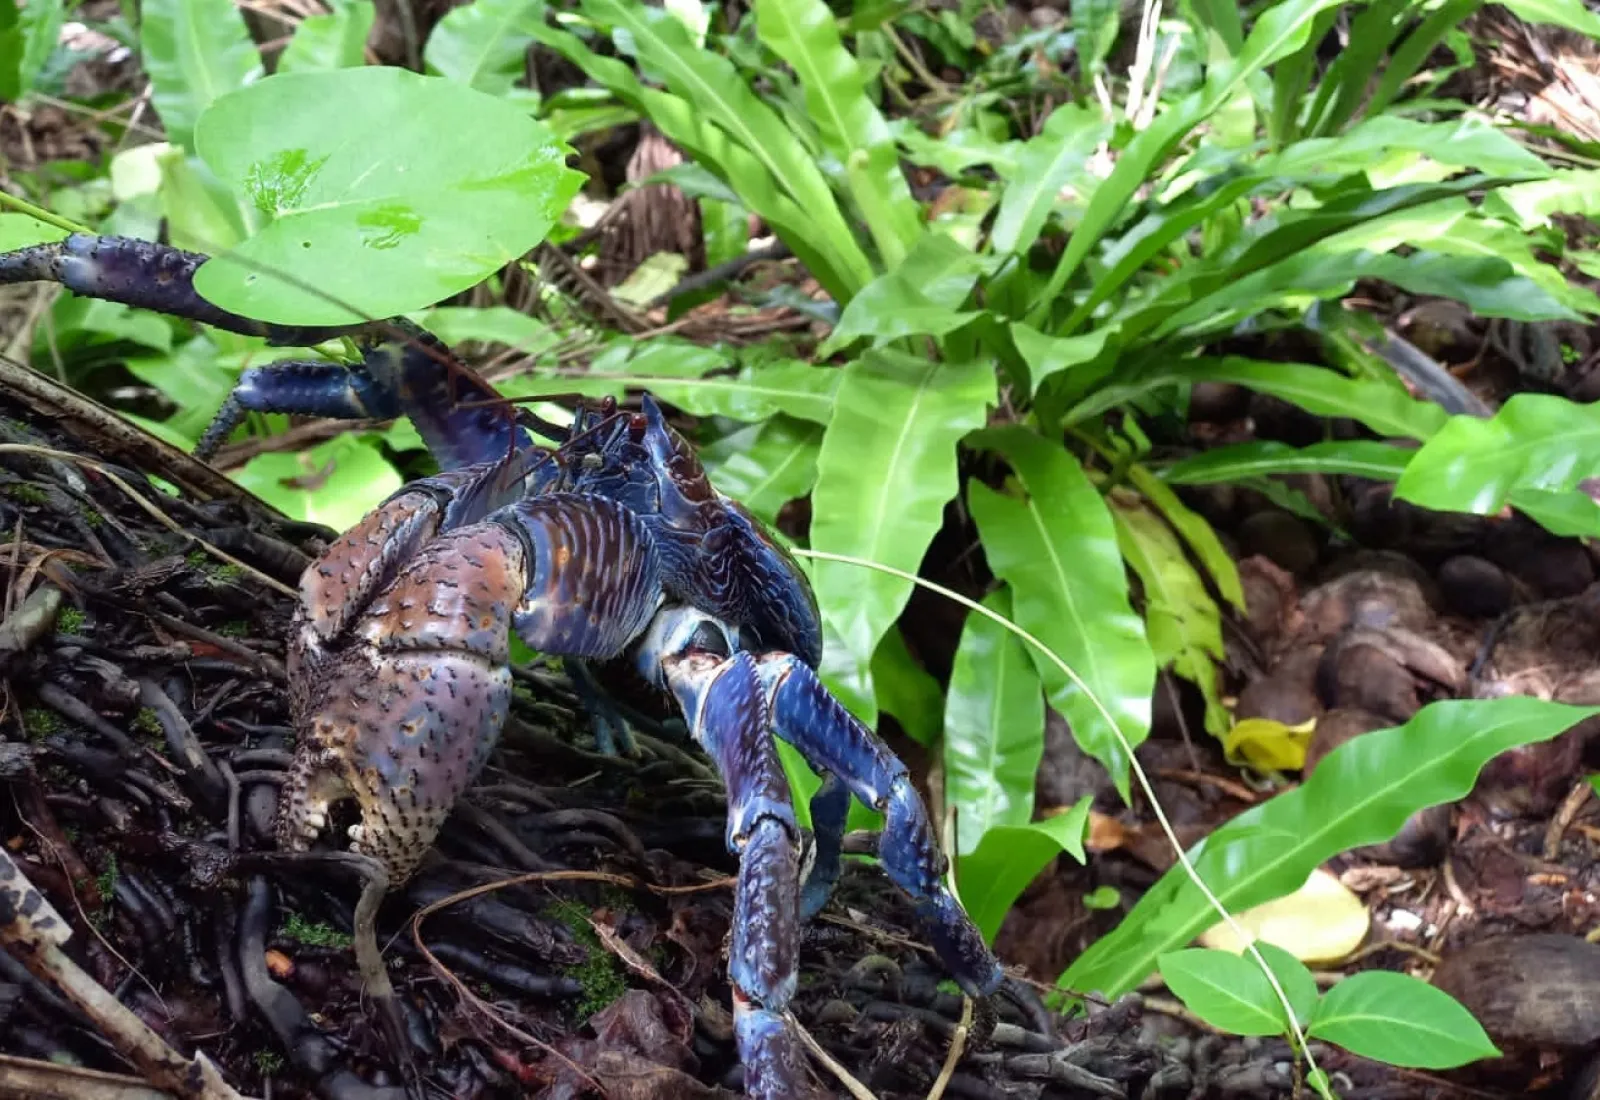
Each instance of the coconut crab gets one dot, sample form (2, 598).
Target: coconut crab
(610, 544)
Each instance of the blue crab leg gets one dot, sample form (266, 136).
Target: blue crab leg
(835, 742)
(146, 275)
(460, 417)
(830, 807)
(612, 734)
(406, 371)
(726, 703)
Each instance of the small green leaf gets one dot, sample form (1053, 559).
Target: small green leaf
(1569, 513)
(491, 325)
(1397, 1019)
(335, 484)
(1055, 545)
(1489, 285)
(202, 214)
(416, 189)
(806, 35)
(1536, 441)
(12, 46)
(1047, 355)
(922, 296)
(82, 323)
(993, 727)
(483, 44)
(1227, 991)
(886, 471)
(1387, 411)
(337, 40)
(1361, 793)
(1196, 531)
(1047, 164)
(1357, 457)
(1570, 14)
(195, 52)
(1279, 31)
(709, 82)
(1299, 984)
(1102, 897)
(1181, 619)
(39, 24)
(907, 690)
(1096, 23)
(1010, 857)
(765, 466)
(23, 231)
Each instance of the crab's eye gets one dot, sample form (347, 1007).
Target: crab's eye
(637, 425)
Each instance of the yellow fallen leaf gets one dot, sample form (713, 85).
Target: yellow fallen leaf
(1321, 922)
(1268, 745)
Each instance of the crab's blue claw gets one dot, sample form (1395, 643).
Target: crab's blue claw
(405, 371)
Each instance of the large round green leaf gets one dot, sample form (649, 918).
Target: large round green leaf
(385, 190)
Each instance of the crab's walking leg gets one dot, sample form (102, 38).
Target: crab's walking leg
(830, 807)
(460, 417)
(726, 703)
(835, 742)
(145, 275)
(407, 371)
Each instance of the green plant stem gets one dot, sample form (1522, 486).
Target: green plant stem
(23, 206)
(1144, 781)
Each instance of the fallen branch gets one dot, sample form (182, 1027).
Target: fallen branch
(33, 932)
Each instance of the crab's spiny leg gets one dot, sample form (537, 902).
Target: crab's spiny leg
(722, 694)
(305, 387)
(612, 734)
(834, 741)
(460, 417)
(146, 275)
(830, 807)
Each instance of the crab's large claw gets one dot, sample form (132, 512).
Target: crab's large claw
(403, 714)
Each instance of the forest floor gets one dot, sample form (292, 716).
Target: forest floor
(569, 936)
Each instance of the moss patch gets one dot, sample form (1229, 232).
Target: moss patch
(600, 975)
(314, 933)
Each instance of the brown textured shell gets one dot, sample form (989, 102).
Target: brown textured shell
(402, 709)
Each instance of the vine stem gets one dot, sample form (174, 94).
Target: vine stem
(1301, 1043)
(23, 206)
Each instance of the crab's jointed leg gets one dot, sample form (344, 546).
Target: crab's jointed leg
(836, 743)
(146, 275)
(734, 701)
(405, 371)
